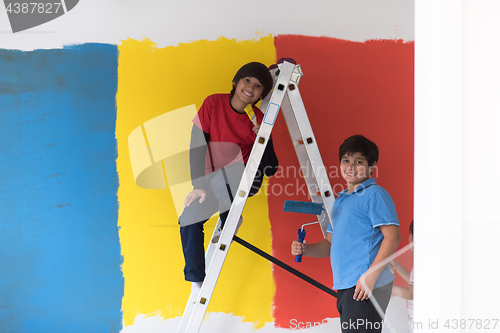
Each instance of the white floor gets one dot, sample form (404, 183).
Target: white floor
(396, 319)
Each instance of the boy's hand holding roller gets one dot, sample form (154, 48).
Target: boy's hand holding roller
(299, 248)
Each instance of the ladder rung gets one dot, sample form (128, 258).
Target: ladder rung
(301, 142)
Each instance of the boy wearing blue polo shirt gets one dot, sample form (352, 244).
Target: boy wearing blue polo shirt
(365, 233)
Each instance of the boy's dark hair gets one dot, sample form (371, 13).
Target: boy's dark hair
(258, 71)
(359, 144)
(411, 228)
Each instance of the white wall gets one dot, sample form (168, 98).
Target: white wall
(172, 22)
(456, 160)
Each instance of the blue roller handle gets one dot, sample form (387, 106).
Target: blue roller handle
(302, 235)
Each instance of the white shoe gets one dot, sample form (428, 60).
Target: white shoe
(196, 287)
(216, 236)
(195, 291)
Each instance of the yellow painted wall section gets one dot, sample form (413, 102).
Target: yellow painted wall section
(151, 82)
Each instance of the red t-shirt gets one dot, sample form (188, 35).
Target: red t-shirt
(231, 134)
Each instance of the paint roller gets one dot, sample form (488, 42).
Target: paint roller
(305, 208)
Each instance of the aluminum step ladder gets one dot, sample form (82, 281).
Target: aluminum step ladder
(285, 96)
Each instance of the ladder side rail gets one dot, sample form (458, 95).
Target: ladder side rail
(211, 246)
(314, 156)
(217, 261)
(305, 165)
(236, 209)
(191, 302)
(265, 102)
(300, 149)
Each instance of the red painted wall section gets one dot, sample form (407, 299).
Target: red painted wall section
(348, 88)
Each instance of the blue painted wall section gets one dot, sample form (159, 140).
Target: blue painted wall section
(60, 252)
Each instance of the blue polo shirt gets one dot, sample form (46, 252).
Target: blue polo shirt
(356, 235)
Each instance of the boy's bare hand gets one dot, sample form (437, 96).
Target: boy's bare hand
(256, 128)
(394, 265)
(193, 195)
(361, 293)
(298, 247)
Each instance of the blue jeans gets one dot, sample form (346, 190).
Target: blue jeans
(218, 185)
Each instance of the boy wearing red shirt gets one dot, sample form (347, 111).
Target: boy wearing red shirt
(221, 141)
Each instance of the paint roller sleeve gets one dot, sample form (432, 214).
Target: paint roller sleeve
(303, 207)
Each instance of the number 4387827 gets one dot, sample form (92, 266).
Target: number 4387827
(472, 324)
(34, 7)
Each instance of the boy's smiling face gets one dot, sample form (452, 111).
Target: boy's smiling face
(355, 169)
(247, 91)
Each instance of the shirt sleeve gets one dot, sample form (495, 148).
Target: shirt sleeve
(197, 154)
(268, 167)
(381, 209)
(204, 115)
(269, 163)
